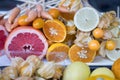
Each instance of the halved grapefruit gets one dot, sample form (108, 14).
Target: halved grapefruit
(3, 36)
(25, 41)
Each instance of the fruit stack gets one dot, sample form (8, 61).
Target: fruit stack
(69, 31)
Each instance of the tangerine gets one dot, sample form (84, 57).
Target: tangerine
(98, 33)
(57, 52)
(55, 30)
(84, 54)
(110, 45)
(94, 45)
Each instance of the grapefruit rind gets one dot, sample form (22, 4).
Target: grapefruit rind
(25, 29)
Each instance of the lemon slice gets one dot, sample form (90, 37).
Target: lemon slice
(86, 19)
(114, 54)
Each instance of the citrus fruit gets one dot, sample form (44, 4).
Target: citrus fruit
(54, 12)
(25, 41)
(94, 45)
(86, 19)
(57, 52)
(102, 71)
(110, 45)
(38, 23)
(55, 30)
(84, 54)
(3, 37)
(116, 68)
(98, 33)
(21, 20)
(76, 71)
(101, 77)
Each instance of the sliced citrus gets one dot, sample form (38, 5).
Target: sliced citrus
(57, 52)
(25, 41)
(3, 37)
(101, 77)
(116, 68)
(55, 30)
(84, 54)
(86, 19)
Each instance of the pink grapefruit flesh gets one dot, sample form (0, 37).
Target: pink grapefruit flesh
(25, 41)
(3, 36)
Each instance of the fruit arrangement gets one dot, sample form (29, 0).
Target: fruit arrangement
(69, 30)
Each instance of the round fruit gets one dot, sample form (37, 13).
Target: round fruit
(57, 52)
(116, 68)
(38, 23)
(86, 19)
(101, 77)
(110, 45)
(55, 30)
(94, 45)
(76, 71)
(21, 20)
(24, 41)
(98, 33)
(3, 37)
(84, 54)
(54, 12)
(103, 71)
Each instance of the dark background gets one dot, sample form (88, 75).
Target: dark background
(100, 5)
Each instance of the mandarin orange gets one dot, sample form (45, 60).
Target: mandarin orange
(84, 54)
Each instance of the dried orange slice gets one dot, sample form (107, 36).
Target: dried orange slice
(57, 52)
(55, 30)
(83, 54)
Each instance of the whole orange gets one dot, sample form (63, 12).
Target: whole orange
(94, 45)
(98, 33)
(116, 68)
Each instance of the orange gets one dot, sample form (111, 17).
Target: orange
(54, 12)
(94, 45)
(21, 20)
(100, 77)
(55, 30)
(98, 33)
(38, 23)
(116, 68)
(110, 45)
(57, 52)
(67, 16)
(83, 54)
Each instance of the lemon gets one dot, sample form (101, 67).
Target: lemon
(86, 19)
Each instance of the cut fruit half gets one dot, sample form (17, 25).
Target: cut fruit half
(86, 19)
(83, 54)
(114, 54)
(25, 41)
(55, 30)
(3, 37)
(57, 52)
